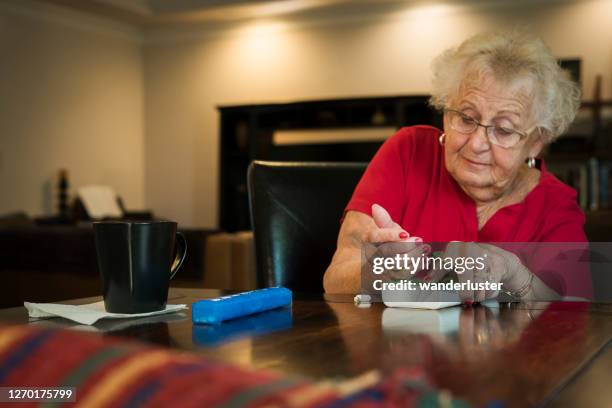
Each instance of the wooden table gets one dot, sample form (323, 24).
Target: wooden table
(524, 355)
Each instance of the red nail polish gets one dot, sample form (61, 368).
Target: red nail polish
(427, 278)
(403, 235)
(468, 303)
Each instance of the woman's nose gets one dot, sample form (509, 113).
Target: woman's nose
(479, 141)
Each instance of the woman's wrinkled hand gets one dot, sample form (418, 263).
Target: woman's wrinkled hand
(387, 230)
(388, 240)
(489, 264)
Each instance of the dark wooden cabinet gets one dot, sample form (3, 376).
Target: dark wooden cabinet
(247, 133)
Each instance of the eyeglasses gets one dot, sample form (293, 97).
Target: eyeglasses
(498, 135)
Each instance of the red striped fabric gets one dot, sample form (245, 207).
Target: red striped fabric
(110, 372)
(113, 373)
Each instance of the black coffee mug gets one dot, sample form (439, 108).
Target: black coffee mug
(136, 263)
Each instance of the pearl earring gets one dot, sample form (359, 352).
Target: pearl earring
(441, 139)
(531, 162)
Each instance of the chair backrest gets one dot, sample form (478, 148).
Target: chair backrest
(296, 210)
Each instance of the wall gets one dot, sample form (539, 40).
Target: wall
(189, 72)
(71, 96)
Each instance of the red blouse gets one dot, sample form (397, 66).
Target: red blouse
(407, 176)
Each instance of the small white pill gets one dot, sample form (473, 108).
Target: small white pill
(362, 299)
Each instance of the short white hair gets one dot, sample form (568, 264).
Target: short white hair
(510, 56)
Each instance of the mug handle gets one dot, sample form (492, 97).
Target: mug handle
(181, 254)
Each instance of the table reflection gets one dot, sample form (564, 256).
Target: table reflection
(464, 348)
(245, 327)
(472, 329)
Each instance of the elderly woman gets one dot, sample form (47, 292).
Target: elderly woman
(504, 97)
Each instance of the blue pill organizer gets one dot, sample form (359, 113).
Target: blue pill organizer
(216, 311)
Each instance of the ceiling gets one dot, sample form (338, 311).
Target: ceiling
(163, 12)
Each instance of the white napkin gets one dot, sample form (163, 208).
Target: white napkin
(87, 314)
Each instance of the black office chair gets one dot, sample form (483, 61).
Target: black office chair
(295, 213)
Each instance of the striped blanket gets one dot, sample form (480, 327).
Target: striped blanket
(112, 372)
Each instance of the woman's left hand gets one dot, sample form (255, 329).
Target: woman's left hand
(488, 264)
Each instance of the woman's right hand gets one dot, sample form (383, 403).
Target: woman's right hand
(378, 235)
(388, 240)
(387, 230)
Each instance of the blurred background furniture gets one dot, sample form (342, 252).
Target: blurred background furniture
(329, 130)
(46, 263)
(296, 210)
(88, 205)
(230, 262)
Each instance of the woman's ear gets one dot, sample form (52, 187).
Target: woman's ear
(537, 144)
